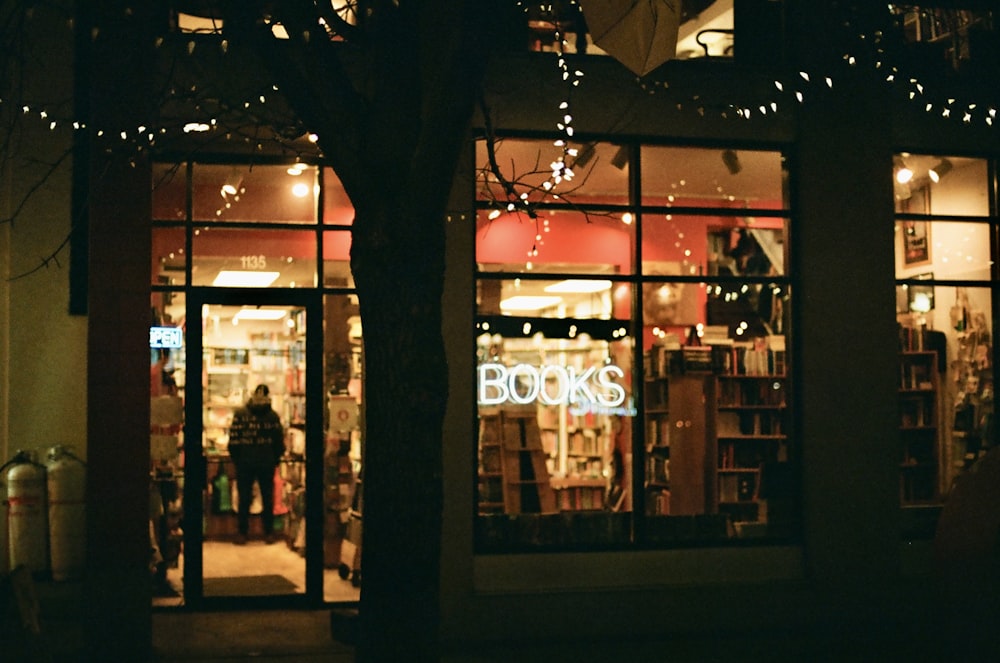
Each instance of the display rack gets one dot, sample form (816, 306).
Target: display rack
(749, 432)
(919, 427)
(656, 392)
(513, 476)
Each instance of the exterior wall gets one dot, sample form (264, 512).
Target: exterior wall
(43, 356)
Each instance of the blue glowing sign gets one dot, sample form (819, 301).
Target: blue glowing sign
(166, 337)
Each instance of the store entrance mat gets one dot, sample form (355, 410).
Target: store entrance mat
(263, 585)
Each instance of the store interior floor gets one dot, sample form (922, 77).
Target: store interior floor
(270, 568)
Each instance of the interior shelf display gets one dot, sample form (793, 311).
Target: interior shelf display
(574, 444)
(659, 362)
(972, 377)
(919, 425)
(750, 429)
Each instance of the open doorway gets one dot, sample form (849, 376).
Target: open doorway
(244, 379)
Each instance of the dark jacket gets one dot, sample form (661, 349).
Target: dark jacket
(256, 435)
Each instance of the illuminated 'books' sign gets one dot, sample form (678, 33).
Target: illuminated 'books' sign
(166, 337)
(592, 389)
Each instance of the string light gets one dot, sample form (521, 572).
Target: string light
(914, 90)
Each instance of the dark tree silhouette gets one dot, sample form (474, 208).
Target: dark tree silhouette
(389, 89)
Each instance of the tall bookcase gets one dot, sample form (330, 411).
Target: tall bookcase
(919, 427)
(675, 434)
(749, 432)
(658, 429)
(513, 477)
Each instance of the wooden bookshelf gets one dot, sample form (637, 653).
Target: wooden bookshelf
(674, 435)
(749, 432)
(919, 427)
(513, 476)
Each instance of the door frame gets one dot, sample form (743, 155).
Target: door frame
(195, 465)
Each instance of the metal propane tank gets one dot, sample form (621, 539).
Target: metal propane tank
(67, 480)
(27, 528)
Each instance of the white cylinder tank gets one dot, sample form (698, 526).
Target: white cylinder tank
(67, 477)
(26, 515)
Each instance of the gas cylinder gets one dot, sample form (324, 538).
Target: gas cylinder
(67, 480)
(26, 517)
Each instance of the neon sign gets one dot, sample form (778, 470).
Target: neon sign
(593, 388)
(166, 337)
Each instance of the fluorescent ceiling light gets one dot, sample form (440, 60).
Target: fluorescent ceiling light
(260, 314)
(528, 303)
(244, 279)
(579, 286)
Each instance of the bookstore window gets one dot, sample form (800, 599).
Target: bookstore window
(945, 275)
(632, 374)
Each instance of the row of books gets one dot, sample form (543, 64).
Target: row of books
(657, 432)
(741, 393)
(580, 498)
(658, 470)
(737, 424)
(742, 456)
(722, 355)
(585, 443)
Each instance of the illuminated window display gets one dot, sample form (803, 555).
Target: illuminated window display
(945, 271)
(632, 361)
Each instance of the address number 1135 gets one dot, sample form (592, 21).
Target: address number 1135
(254, 262)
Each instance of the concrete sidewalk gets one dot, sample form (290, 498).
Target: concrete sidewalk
(304, 636)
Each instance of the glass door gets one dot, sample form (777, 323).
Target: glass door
(253, 428)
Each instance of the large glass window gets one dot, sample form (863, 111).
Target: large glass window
(945, 270)
(633, 381)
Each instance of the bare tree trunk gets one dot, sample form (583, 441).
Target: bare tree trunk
(393, 125)
(399, 287)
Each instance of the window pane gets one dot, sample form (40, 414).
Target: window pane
(943, 250)
(689, 176)
(169, 256)
(599, 172)
(337, 260)
(719, 449)
(570, 242)
(944, 186)
(945, 329)
(254, 193)
(254, 258)
(676, 245)
(945, 394)
(584, 299)
(342, 379)
(169, 192)
(337, 207)
(555, 409)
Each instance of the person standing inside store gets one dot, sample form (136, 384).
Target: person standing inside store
(256, 444)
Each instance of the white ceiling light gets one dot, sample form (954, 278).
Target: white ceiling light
(232, 185)
(260, 314)
(579, 286)
(244, 279)
(528, 303)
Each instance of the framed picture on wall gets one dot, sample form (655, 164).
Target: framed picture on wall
(916, 234)
(916, 242)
